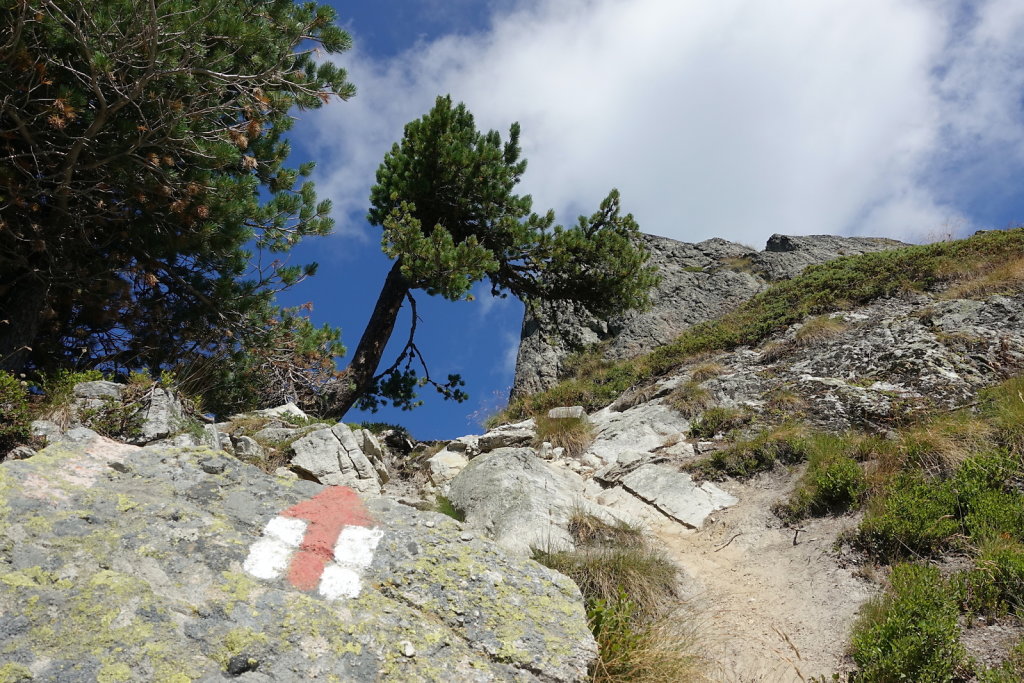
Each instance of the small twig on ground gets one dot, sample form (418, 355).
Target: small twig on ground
(729, 541)
(796, 532)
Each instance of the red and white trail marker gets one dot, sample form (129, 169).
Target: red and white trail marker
(325, 542)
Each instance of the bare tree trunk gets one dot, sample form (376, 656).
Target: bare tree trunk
(358, 377)
(21, 306)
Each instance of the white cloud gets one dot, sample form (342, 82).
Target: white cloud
(733, 118)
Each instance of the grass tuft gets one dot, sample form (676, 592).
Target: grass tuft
(574, 434)
(630, 591)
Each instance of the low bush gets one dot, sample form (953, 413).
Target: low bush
(995, 585)
(785, 445)
(15, 415)
(911, 633)
(834, 481)
(719, 420)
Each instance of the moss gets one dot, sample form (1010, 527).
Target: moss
(114, 672)
(238, 641)
(14, 673)
(125, 503)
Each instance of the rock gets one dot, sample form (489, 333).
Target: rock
(277, 434)
(445, 465)
(20, 453)
(159, 571)
(571, 413)
(285, 473)
(161, 415)
(519, 500)
(642, 428)
(508, 436)
(46, 430)
(673, 492)
(373, 450)
(287, 410)
(248, 447)
(98, 390)
(332, 456)
(700, 282)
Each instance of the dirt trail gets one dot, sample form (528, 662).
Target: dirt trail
(769, 610)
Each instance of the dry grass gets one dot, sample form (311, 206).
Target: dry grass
(666, 651)
(819, 329)
(635, 397)
(690, 399)
(776, 350)
(706, 371)
(979, 280)
(573, 434)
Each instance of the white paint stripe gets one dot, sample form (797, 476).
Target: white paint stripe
(352, 554)
(288, 530)
(269, 556)
(355, 546)
(340, 582)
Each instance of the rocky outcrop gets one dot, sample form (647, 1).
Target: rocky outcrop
(699, 282)
(334, 456)
(521, 501)
(120, 562)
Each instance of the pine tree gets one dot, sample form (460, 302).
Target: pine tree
(141, 149)
(445, 200)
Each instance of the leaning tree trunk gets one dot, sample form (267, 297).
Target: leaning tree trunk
(21, 306)
(358, 376)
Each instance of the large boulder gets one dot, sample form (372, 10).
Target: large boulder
(521, 501)
(180, 564)
(333, 456)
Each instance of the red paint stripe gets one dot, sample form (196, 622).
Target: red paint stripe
(328, 513)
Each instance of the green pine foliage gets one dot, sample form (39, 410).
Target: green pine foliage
(445, 199)
(143, 149)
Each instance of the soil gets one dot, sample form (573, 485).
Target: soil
(769, 609)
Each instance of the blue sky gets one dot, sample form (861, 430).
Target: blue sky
(727, 118)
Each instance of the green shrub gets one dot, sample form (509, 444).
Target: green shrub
(995, 586)
(921, 515)
(443, 505)
(834, 480)
(785, 445)
(911, 633)
(718, 420)
(913, 516)
(14, 413)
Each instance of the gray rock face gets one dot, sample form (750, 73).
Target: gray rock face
(157, 563)
(674, 493)
(333, 457)
(519, 500)
(161, 415)
(700, 282)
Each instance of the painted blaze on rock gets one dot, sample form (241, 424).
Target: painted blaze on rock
(326, 542)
